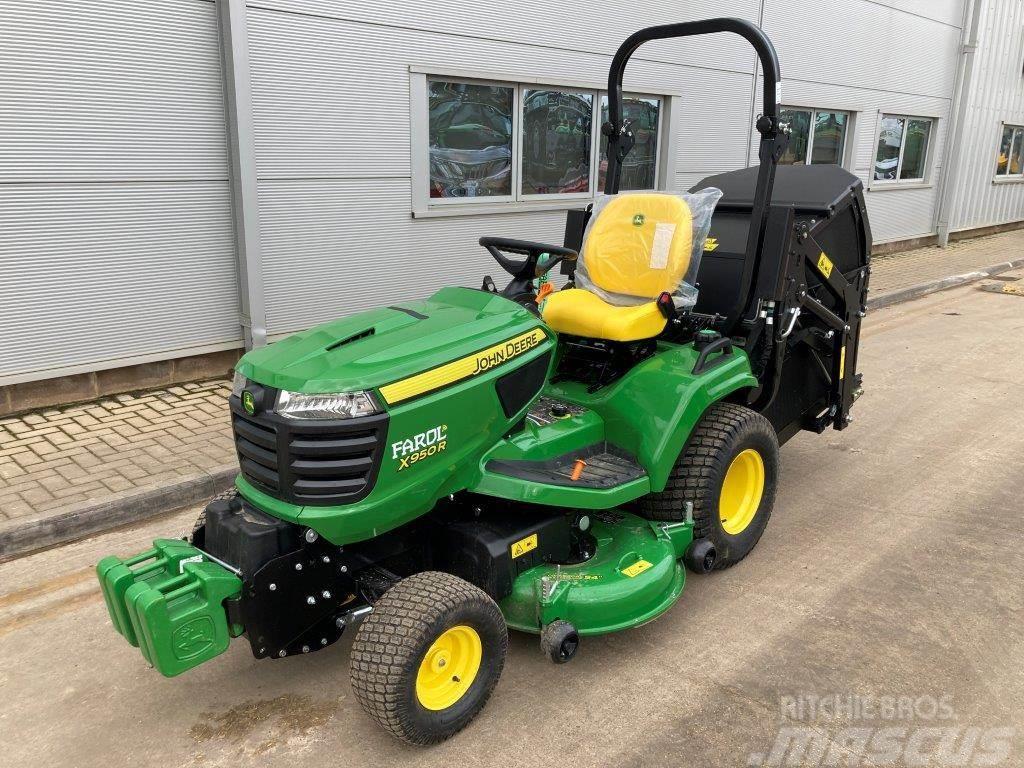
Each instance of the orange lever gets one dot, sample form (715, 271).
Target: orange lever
(542, 294)
(577, 470)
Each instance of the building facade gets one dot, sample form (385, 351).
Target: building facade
(182, 177)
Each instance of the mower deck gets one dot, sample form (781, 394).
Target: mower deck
(633, 577)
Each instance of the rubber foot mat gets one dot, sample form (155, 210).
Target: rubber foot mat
(603, 466)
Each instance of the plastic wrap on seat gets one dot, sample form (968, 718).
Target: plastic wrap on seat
(639, 245)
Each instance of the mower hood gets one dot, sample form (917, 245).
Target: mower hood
(371, 349)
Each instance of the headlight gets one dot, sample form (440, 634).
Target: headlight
(238, 384)
(338, 405)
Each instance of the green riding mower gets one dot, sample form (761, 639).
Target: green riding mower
(431, 474)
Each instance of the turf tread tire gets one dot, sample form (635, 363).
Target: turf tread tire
(392, 640)
(696, 477)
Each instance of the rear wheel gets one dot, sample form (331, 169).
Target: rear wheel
(425, 661)
(728, 471)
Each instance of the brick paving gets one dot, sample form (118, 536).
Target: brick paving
(62, 457)
(904, 269)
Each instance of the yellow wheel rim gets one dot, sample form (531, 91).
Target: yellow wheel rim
(741, 491)
(449, 667)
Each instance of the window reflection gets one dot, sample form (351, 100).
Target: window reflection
(799, 123)
(470, 140)
(639, 171)
(557, 141)
(889, 140)
(916, 149)
(829, 136)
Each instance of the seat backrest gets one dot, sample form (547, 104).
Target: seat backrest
(639, 245)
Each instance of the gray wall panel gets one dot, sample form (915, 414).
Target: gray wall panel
(862, 44)
(331, 97)
(115, 222)
(110, 90)
(333, 247)
(997, 96)
(102, 272)
(572, 27)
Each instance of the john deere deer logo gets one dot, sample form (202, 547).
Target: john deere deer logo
(193, 638)
(249, 402)
(638, 220)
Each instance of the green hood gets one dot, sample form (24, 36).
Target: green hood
(373, 348)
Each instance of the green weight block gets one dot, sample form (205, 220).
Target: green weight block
(117, 575)
(181, 622)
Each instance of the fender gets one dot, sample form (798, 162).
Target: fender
(652, 410)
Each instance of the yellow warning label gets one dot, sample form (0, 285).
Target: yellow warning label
(842, 362)
(825, 265)
(636, 568)
(710, 244)
(523, 546)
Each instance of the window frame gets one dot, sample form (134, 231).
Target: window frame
(424, 206)
(1008, 178)
(843, 150)
(898, 183)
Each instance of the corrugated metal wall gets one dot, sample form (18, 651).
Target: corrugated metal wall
(332, 114)
(870, 58)
(116, 239)
(115, 227)
(996, 97)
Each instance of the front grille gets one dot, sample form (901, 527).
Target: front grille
(311, 462)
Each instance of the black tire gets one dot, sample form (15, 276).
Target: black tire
(559, 641)
(393, 641)
(725, 431)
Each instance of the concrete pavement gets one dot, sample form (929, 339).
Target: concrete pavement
(890, 572)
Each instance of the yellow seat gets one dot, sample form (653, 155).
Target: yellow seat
(582, 313)
(637, 248)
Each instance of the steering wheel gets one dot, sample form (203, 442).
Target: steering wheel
(525, 271)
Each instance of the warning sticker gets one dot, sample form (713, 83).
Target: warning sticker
(523, 546)
(825, 265)
(636, 568)
(662, 242)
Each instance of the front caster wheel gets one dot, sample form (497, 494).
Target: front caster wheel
(559, 641)
(425, 661)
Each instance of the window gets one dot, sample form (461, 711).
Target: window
(502, 142)
(470, 140)
(902, 148)
(1011, 152)
(817, 136)
(640, 170)
(557, 141)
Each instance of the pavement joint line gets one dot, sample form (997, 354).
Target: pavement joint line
(191, 483)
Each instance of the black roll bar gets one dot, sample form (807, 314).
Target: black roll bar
(773, 140)
(615, 130)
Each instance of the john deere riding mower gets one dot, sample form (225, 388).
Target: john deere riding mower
(433, 473)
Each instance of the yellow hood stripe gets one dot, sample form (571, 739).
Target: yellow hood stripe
(463, 368)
